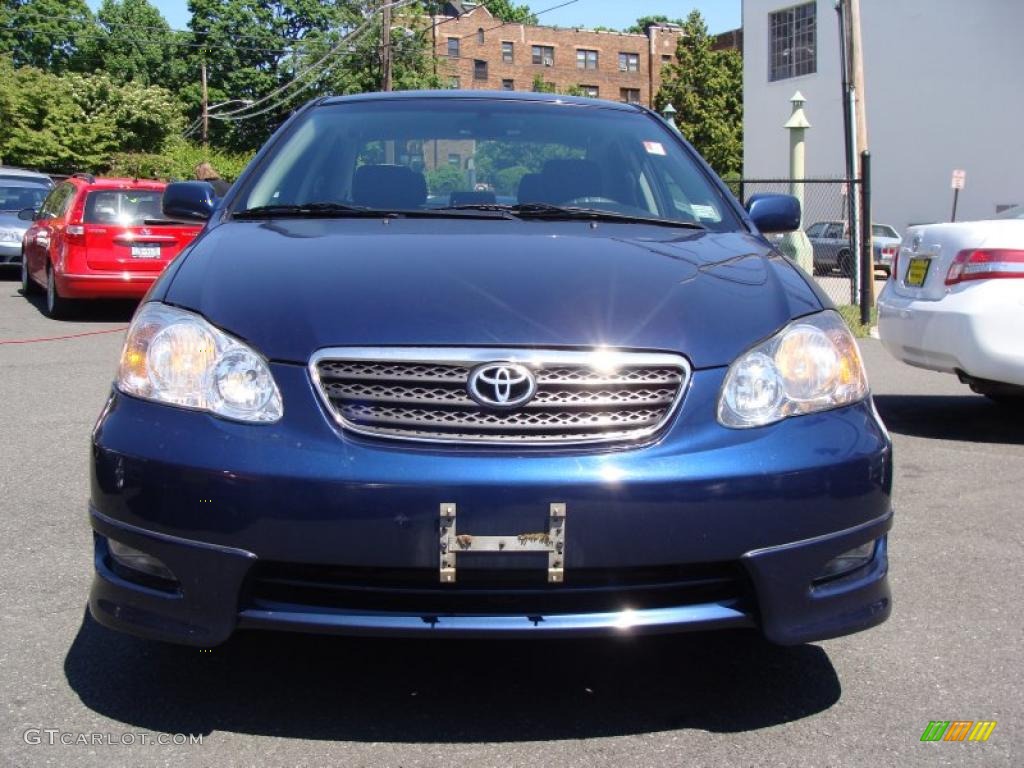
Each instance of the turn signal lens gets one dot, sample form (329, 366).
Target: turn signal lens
(811, 365)
(176, 357)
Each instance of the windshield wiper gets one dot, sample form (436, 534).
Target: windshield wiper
(309, 210)
(550, 211)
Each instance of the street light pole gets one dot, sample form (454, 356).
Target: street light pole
(206, 107)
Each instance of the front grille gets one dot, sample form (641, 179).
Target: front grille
(422, 394)
(479, 591)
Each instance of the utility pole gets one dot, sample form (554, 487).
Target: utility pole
(385, 46)
(206, 107)
(861, 119)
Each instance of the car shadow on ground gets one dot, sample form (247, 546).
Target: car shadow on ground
(93, 311)
(449, 691)
(968, 418)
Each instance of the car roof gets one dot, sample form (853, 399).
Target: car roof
(20, 174)
(110, 182)
(521, 96)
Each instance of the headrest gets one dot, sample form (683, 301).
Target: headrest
(388, 187)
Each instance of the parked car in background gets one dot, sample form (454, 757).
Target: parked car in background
(955, 303)
(18, 190)
(98, 238)
(611, 407)
(831, 243)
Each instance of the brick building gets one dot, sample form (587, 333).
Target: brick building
(477, 51)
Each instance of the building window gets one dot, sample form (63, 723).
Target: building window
(508, 85)
(586, 59)
(793, 42)
(480, 36)
(629, 62)
(544, 55)
(454, 82)
(590, 90)
(455, 159)
(507, 53)
(479, 69)
(629, 95)
(453, 47)
(666, 58)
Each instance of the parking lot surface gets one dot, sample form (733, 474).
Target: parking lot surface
(951, 651)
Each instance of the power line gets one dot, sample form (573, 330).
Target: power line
(318, 65)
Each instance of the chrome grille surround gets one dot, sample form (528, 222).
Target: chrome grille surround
(419, 393)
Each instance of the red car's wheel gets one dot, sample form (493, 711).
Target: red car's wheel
(57, 306)
(28, 286)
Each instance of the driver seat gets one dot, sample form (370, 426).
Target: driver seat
(565, 180)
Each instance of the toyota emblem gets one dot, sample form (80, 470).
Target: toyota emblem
(502, 385)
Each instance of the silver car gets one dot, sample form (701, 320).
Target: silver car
(18, 190)
(831, 243)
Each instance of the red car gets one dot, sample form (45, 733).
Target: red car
(99, 239)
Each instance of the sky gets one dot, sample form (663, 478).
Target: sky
(721, 15)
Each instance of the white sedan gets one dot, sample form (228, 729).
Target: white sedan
(955, 303)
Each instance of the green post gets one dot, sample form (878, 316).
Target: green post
(795, 244)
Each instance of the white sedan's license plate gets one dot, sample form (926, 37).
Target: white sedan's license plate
(145, 251)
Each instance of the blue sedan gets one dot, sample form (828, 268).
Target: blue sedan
(578, 392)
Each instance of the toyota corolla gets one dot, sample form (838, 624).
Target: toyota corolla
(481, 364)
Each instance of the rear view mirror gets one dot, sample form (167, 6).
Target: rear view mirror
(774, 213)
(189, 200)
(27, 214)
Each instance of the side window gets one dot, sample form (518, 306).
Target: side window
(815, 230)
(835, 232)
(55, 203)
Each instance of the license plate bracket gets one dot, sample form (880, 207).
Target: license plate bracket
(917, 272)
(551, 541)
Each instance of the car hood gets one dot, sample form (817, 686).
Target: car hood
(10, 220)
(290, 287)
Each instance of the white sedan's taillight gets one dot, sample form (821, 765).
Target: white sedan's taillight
(985, 264)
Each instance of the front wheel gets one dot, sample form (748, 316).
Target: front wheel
(57, 306)
(28, 285)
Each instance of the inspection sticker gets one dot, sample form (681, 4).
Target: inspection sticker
(654, 148)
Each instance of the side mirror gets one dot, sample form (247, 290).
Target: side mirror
(27, 214)
(774, 213)
(190, 200)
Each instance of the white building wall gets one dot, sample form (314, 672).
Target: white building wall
(944, 90)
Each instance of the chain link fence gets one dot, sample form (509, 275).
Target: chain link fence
(825, 224)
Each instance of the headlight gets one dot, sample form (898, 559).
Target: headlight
(10, 236)
(176, 357)
(811, 365)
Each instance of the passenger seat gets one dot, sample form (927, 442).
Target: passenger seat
(391, 187)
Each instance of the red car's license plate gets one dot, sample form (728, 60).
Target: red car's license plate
(145, 251)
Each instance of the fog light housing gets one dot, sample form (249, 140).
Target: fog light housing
(139, 562)
(849, 561)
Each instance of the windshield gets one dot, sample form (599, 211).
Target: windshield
(16, 197)
(127, 208)
(1016, 212)
(437, 153)
(883, 230)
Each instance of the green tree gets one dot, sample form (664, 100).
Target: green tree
(48, 34)
(509, 11)
(641, 25)
(74, 122)
(445, 179)
(706, 89)
(133, 42)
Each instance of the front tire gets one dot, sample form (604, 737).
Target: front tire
(57, 307)
(28, 285)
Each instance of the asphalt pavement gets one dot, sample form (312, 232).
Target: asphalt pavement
(951, 651)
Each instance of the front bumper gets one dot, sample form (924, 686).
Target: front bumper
(975, 328)
(221, 503)
(10, 253)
